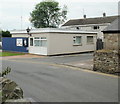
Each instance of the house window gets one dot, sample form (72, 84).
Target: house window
(90, 40)
(43, 37)
(78, 28)
(96, 27)
(43, 43)
(37, 38)
(31, 41)
(37, 42)
(77, 40)
(40, 41)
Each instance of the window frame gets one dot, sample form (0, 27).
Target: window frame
(77, 44)
(32, 42)
(88, 41)
(96, 27)
(40, 39)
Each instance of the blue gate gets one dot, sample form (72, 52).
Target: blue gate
(15, 44)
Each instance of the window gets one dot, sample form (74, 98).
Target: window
(90, 40)
(43, 37)
(43, 43)
(31, 41)
(37, 38)
(96, 27)
(40, 41)
(77, 28)
(77, 40)
(37, 42)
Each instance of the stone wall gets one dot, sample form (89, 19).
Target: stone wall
(9, 90)
(111, 41)
(106, 61)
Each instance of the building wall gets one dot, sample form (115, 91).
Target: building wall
(37, 49)
(20, 35)
(90, 28)
(106, 61)
(111, 41)
(9, 44)
(63, 44)
(60, 43)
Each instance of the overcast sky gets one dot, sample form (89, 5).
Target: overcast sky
(12, 10)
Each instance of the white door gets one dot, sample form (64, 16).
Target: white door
(38, 45)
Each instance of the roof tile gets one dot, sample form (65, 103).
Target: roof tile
(98, 20)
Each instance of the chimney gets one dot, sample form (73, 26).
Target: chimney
(84, 16)
(104, 14)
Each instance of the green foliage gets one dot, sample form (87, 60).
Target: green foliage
(48, 14)
(6, 34)
(10, 54)
(10, 91)
(5, 72)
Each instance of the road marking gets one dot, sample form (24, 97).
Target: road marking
(110, 75)
(67, 66)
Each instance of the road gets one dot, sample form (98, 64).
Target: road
(45, 81)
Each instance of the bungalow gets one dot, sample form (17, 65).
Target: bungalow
(53, 41)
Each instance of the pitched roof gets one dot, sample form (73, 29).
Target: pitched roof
(97, 20)
(114, 27)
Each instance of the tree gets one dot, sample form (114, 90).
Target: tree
(48, 14)
(6, 34)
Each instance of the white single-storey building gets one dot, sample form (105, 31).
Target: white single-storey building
(53, 41)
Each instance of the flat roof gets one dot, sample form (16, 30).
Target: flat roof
(51, 30)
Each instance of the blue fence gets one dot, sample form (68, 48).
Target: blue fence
(11, 44)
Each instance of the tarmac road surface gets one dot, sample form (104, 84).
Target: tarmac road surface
(45, 81)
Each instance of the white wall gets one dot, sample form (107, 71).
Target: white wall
(90, 28)
(20, 35)
(63, 43)
(60, 43)
(39, 50)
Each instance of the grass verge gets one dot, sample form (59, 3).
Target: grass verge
(10, 54)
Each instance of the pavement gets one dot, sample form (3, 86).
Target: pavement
(22, 56)
(86, 64)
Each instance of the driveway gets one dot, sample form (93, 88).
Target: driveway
(45, 79)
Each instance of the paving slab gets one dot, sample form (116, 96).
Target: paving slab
(86, 64)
